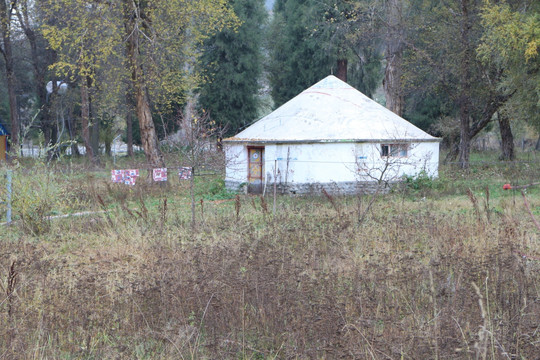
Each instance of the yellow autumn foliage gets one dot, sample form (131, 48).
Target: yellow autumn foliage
(89, 38)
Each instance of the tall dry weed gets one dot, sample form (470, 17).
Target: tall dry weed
(301, 286)
(474, 202)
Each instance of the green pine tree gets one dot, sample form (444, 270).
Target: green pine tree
(233, 64)
(308, 37)
(297, 59)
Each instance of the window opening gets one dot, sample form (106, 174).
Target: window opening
(394, 150)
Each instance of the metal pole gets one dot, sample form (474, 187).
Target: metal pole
(9, 177)
(275, 171)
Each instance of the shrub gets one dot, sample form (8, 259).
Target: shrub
(217, 191)
(422, 181)
(35, 193)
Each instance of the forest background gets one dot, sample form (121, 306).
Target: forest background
(87, 72)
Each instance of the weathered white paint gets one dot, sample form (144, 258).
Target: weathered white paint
(311, 163)
(332, 163)
(236, 156)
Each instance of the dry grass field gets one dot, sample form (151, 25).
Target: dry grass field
(432, 271)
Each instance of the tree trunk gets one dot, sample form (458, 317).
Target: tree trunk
(464, 138)
(13, 108)
(46, 135)
(130, 135)
(108, 147)
(129, 124)
(341, 72)
(54, 151)
(73, 143)
(394, 52)
(85, 120)
(149, 138)
(7, 52)
(45, 118)
(494, 103)
(507, 139)
(92, 122)
(94, 133)
(72, 131)
(464, 100)
(41, 91)
(537, 147)
(39, 68)
(51, 136)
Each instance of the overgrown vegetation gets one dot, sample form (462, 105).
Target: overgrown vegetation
(430, 273)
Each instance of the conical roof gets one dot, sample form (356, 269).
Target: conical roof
(331, 111)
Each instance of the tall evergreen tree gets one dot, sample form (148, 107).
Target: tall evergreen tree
(233, 62)
(311, 39)
(393, 89)
(297, 58)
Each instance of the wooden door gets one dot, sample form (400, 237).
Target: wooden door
(3, 147)
(255, 170)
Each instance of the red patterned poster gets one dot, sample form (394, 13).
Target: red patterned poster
(117, 176)
(185, 173)
(128, 177)
(159, 174)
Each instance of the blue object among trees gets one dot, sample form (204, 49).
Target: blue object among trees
(3, 142)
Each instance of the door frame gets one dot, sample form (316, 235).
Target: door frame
(3, 147)
(255, 188)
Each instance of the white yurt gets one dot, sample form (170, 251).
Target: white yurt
(332, 137)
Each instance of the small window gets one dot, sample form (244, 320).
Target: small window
(385, 150)
(394, 150)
